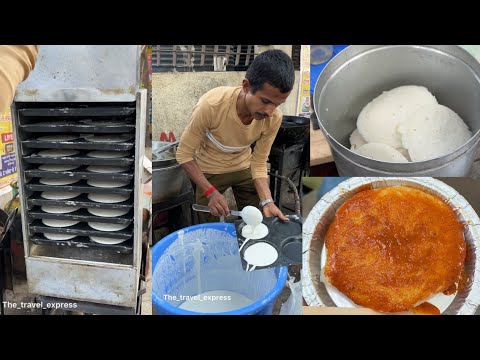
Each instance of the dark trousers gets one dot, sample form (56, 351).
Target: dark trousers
(243, 189)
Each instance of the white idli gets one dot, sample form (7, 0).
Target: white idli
(356, 140)
(405, 153)
(108, 198)
(103, 240)
(108, 154)
(52, 209)
(58, 181)
(107, 168)
(381, 152)
(107, 227)
(433, 131)
(58, 152)
(59, 195)
(107, 183)
(109, 138)
(58, 167)
(108, 212)
(379, 119)
(53, 236)
(59, 223)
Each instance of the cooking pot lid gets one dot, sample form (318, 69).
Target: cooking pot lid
(161, 162)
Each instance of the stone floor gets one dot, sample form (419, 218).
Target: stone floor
(19, 301)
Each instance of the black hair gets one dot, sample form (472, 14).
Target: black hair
(274, 67)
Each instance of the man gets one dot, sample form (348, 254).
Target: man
(215, 148)
(16, 63)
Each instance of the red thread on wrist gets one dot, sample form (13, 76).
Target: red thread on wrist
(209, 191)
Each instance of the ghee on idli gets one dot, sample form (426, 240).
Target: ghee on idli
(433, 131)
(356, 140)
(379, 119)
(381, 152)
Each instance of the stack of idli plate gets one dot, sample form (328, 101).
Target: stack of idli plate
(80, 181)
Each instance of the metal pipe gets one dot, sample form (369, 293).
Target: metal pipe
(292, 186)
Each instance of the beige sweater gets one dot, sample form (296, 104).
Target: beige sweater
(218, 140)
(16, 62)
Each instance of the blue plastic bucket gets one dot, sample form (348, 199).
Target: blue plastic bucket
(204, 258)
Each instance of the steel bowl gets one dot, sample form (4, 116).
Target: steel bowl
(318, 221)
(360, 73)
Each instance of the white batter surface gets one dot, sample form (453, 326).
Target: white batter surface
(58, 181)
(52, 209)
(59, 223)
(107, 227)
(260, 254)
(107, 183)
(58, 167)
(108, 198)
(59, 195)
(109, 241)
(254, 229)
(107, 169)
(109, 138)
(58, 152)
(108, 154)
(251, 215)
(53, 236)
(215, 301)
(108, 212)
(258, 232)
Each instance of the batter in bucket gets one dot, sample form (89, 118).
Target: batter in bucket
(215, 301)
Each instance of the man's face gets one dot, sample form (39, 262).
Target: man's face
(264, 101)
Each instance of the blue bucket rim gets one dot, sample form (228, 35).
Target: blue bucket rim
(162, 245)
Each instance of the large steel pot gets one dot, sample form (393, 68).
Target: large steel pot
(168, 175)
(360, 73)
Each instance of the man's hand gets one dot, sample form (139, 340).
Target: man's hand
(271, 209)
(218, 204)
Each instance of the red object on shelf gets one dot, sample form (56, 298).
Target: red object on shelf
(169, 138)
